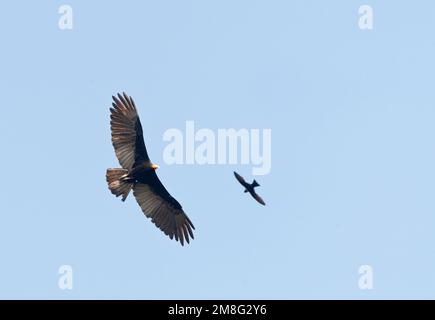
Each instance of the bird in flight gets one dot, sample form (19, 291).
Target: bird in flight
(250, 188)
(138, 173)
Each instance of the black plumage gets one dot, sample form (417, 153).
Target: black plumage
(250, 188)
(138, 173)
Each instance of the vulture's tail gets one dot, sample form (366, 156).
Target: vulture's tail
(119, 182)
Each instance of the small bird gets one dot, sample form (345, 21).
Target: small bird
(250, 188)
(138, 173)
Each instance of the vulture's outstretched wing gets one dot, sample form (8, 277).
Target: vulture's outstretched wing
(165, 212)
(127, 137)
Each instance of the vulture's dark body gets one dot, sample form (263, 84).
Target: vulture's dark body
(149, 177)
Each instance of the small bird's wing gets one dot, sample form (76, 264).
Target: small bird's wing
(165, 212)
(127, 136)
(240, 179)
(258, 198)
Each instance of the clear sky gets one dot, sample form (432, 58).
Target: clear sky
(352, 115)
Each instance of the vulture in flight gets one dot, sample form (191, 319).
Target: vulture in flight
(250, 188)
(138, 173)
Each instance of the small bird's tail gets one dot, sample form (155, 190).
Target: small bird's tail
(255, 184)
(119, 182)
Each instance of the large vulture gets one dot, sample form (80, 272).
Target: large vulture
(139, 173)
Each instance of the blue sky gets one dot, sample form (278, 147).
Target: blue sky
(353, 148)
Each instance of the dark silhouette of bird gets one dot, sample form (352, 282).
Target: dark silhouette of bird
(138, 173)
(250, 188)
